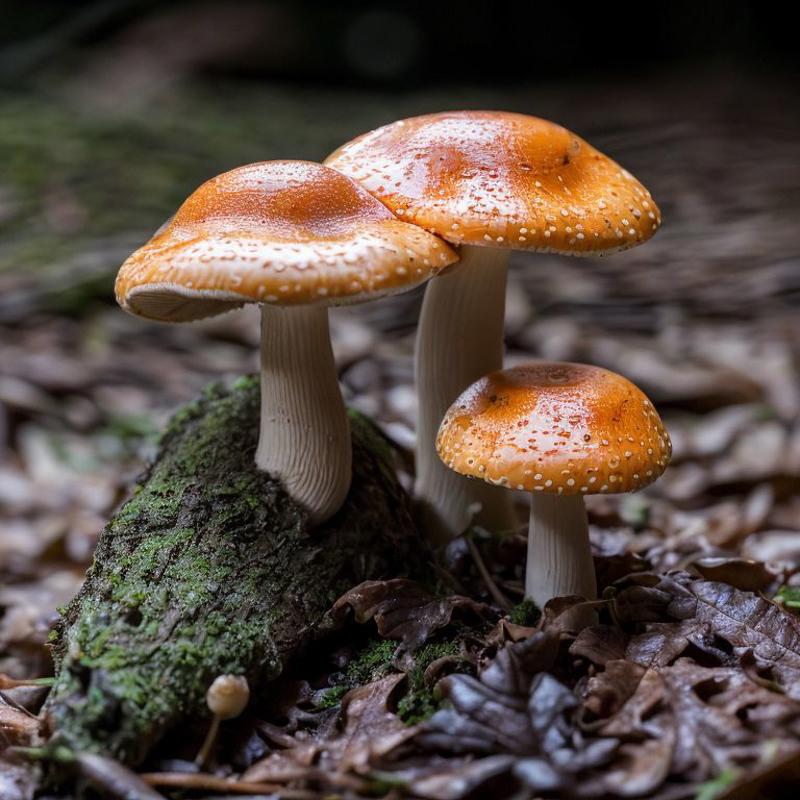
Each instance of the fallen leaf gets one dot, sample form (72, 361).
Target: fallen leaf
(370, 728)
(600, 644)
(403, 610)
(17, 726)
(745, 574)
(607, 692)
(716, 612)
(468, 779)
(113, 779)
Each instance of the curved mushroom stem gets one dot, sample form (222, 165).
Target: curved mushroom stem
(459, 339)
(202, 757)
(305, 432)
(559, 554)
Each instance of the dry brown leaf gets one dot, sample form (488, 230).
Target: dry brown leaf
(405, 611)
(745, 574)
(711, 612)
(370, 728)
(17, 726)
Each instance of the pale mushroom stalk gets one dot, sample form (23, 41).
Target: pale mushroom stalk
(559, 554)
(305, 434)
(459, 339)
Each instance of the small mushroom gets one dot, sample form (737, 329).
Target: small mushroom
(560, 432)
(490, 182)
(295, 237)
(226, 698)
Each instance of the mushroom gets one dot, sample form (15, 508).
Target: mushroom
(295, 237)
(559, 431)
(490, 182)
(226, 698)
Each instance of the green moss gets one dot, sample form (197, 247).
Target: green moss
(525, 613)
(365, 430)
(376, 660)
(717, 786)
(333, 696)
(371, 663)
(789, 596)
(419, 702)
(382, 784)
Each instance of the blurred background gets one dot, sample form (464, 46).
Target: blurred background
(112, 112)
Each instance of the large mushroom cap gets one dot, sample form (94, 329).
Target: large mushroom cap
(282, 232)
(557, 428)
(500, 179)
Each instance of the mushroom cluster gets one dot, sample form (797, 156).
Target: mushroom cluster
(488, 182)
(442, 198)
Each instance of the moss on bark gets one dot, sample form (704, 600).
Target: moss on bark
(209, 569)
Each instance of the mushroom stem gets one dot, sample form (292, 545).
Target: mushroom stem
(459, 339)
(559, 554)
(201, 759)
(305, 432)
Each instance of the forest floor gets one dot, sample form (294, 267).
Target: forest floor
(690, 687)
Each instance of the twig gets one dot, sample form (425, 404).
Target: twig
(183, 780)
(494, 591)
(7, 682)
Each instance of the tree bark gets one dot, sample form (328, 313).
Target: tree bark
(209, 568)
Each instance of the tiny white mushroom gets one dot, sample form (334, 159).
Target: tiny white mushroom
(226, 698)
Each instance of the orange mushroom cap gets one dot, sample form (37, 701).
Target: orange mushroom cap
(281, 232)
(500, 179)
(556, 428)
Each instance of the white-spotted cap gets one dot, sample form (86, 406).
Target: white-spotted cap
(498, 179)
(556, 428)
(279, 232)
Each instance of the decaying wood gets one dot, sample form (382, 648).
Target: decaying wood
(209, 568)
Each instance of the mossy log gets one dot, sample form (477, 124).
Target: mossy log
(209, 569)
